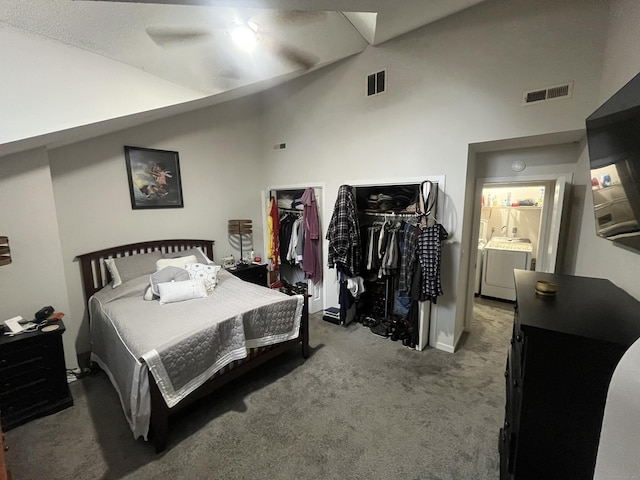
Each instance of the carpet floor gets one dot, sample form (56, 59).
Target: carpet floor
(360, 407)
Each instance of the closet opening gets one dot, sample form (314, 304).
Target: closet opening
(299, 264)
(390, 217)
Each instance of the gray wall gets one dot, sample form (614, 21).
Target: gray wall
(597, 257)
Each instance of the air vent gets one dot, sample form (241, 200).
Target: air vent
(551, 93)
(377, 83)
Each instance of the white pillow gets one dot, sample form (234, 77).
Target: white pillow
(181, 291)
(179, 262)
(208, 273)
(197, 251)
(113, 271)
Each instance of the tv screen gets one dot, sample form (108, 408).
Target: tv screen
(613, 136)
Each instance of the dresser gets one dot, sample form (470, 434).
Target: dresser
(564, 349)
(252, 273)
(33, 376)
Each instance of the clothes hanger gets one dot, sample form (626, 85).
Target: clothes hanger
(428, 199)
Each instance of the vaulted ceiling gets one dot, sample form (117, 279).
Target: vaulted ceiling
(189, 43)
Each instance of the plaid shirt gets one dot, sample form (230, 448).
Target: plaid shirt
(430, 254)
(344, 233)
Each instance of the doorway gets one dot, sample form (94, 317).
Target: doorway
(509, 235)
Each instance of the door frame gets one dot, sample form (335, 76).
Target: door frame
(554, 206)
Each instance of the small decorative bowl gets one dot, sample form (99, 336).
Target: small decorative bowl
(544, 287)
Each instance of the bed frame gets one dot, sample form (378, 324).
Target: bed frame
(95, 276)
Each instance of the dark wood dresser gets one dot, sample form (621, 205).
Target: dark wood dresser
(33, 376)
(563, 352)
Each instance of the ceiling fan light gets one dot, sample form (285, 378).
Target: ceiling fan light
(244, 37)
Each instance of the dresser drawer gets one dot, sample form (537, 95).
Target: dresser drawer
(33, 380)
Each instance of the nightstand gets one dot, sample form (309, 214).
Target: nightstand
(33, 376)
(252, 273)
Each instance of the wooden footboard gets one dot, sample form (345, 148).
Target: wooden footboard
(160, 412)
(94, 277)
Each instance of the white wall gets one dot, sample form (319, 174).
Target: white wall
(598, 257)
(221, 179)
(65, 86)
(35, 278)
(456, 82)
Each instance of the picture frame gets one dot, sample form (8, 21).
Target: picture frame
(154, 178)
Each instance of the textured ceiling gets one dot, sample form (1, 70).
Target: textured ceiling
(80, 68)
(187, 42)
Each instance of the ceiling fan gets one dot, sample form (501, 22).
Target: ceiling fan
(263, 24)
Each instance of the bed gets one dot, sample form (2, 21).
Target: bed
(161, 350)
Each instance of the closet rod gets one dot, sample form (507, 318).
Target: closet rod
(290, 210)
(389, 214)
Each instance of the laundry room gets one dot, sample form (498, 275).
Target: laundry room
(509, 237)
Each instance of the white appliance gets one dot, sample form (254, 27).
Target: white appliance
(501, 256)
(482, 241)
(479, 262)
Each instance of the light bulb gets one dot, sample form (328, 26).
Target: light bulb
(245, 37)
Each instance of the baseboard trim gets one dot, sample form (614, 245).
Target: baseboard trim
(444, 347)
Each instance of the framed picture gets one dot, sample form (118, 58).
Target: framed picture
(154, 178)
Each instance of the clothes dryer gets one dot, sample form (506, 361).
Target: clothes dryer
(501, 257)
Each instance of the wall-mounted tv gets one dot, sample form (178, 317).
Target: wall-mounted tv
(613, 136)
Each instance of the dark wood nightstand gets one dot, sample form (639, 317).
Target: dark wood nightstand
(33, 376)
(252, 273)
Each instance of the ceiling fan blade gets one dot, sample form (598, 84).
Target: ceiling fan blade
(170, 36)
(288, 17)
(204, 3)
(303, 60)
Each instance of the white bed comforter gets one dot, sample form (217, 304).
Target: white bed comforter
(184, 343)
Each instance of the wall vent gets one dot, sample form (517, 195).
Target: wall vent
(377, 83)
(546, 94)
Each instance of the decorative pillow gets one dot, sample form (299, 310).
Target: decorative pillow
(208, 273)
(167, 274)
(181, 291)
(123, 269)
(148, 294)
(179, 262)
(196, 251)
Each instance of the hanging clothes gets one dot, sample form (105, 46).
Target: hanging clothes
(296, 231)
(343, 233)
(287, 232)
(409, 255)
(273, 222)
(312, 257)
(430, 255)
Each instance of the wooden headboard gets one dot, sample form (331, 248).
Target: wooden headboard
(93, 270)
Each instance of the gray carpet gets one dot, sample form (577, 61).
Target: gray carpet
(361, 407)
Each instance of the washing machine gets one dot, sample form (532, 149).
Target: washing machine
(500, 257)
